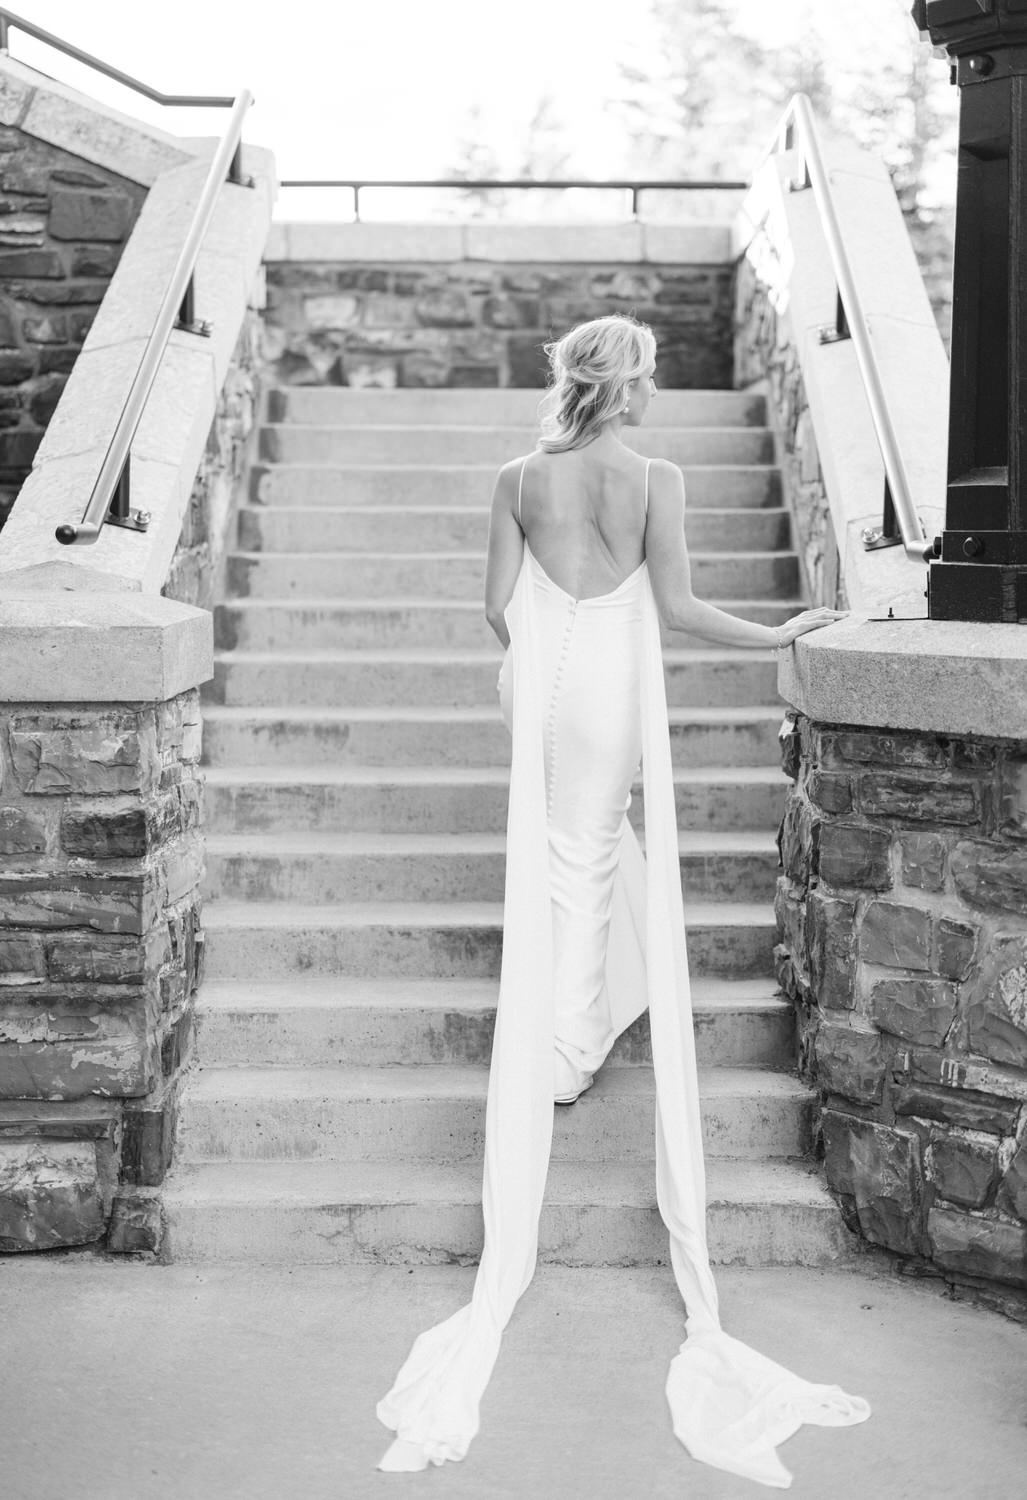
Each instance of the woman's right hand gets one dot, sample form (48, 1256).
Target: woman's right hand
(810, 619)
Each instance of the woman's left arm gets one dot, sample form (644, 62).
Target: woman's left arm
(506, 550)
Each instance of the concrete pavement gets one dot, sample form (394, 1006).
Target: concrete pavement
(122, 1380)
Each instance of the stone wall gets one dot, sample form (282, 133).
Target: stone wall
(903, 923)
(63, 223)
(765, 352)
(483, 323)
(196, 572)
(100, 953)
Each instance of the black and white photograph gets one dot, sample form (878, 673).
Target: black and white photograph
(513, 750)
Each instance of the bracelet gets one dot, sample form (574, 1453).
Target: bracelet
(780, 642)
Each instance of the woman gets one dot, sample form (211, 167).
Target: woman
(586, 555)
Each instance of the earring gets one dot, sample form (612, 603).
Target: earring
(626, 407)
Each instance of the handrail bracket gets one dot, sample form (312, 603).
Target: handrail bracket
(187, 321)
(120, 512)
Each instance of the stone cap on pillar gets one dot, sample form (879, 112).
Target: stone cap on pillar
(940, 676)
(85, 647)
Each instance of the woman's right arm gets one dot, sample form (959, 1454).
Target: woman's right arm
(671, 576)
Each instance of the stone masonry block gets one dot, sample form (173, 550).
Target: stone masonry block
(789, 741)
(136, 1222)
(850, 1063)
(62, 1048)
(103, 832)
(876, 1167)
(94, 260)
(955, 1106)
(33, 263)
(923, 860)
(22, 959)
(106, 905)
(1013, 796)
(76, 957)
(796, 839)
(831, 791)
(990, 1248)
(93, 754)
(963, 1169)
(790, 912)
(920, 1010)
(867, 747)
(988, 875)
(924, 799)
(854, 854)
(896, 936)
(15, 367)
(830, 949)
(148, 1137)
(444, 309)
(22, 830)
(955, 944)
(78, 214)
(50, 1195)
(997, 1001)
(1014, 1184)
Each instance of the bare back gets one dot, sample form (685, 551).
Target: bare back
(583, 514)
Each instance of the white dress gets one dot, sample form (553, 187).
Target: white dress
(592, 934)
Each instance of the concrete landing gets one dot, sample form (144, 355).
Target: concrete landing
(126, 1381)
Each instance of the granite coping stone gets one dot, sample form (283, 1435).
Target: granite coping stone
(935, 676)
(633, 243)
(93, 647)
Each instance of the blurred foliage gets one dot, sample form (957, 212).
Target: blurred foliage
(705, 100)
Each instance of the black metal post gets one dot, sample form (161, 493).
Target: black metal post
(980, 571)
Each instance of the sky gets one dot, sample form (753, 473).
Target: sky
(386, 88)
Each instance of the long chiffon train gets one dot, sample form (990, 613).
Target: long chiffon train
(592, 935)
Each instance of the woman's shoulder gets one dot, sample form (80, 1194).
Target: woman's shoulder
(665, 476)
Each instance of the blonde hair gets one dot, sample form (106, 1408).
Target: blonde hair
(591, 367)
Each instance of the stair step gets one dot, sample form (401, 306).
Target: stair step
(437, 1113)
(437, 940)
(424, 1213)
(496, 444)
(351, 407)
(448, 678)
(318, 1022)
(460, 575)
(392, 624)
(734, 485)
(447, 528)
(451, 736)
(454, 799)
(318, 867)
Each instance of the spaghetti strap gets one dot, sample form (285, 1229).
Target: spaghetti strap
(520, 486)
(647, 463)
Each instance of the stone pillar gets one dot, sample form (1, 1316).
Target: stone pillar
(903, 936)
(100, 935)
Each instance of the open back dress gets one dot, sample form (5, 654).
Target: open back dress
(593, 933)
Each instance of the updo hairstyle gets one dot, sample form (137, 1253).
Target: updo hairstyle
(591, 370)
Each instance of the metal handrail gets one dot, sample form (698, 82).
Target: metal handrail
(797, 131)
(109, 500)
(636, 186)
(9, 21)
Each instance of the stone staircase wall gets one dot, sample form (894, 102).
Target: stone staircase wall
(64, 219)
(902, 905)
(100, 794)
(388, 306)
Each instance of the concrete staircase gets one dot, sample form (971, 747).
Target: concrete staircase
(356, 792)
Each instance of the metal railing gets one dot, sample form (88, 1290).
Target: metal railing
(900, 524)
(9, 21)
(110, 500)
(635, 186)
